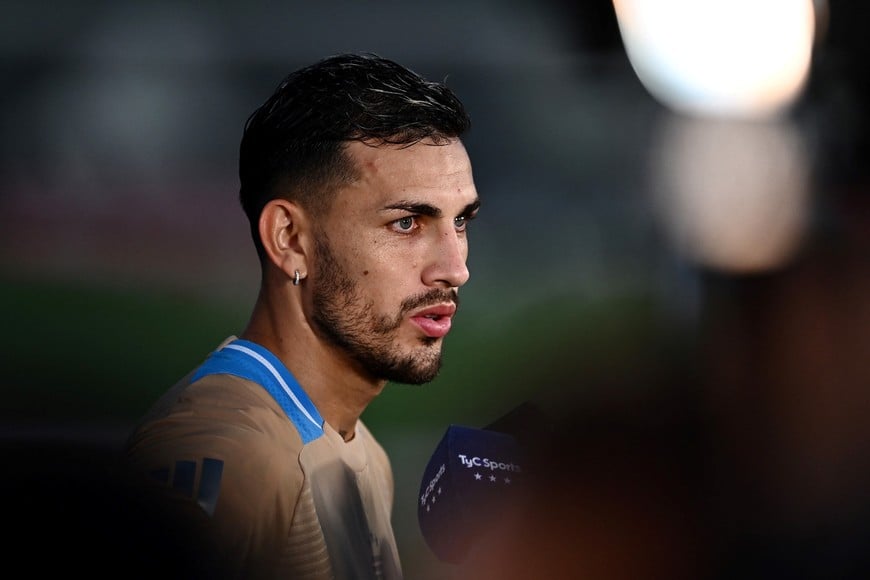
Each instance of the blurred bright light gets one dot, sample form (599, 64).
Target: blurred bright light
(739, 58)
(732, 195)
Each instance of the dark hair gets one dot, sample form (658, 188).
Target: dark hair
(292, 145)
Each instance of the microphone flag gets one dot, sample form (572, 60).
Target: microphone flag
(468, 482)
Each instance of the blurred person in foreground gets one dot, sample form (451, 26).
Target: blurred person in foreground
(359, 191)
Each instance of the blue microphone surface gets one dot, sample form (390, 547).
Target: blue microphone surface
(470, 478)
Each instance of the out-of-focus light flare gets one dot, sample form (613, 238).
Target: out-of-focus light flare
(733, 195)
(738, 58)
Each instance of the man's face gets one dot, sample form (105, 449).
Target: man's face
(390, 256)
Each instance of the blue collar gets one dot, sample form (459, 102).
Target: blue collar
(251, 361)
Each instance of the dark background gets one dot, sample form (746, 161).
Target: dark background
(707, 421)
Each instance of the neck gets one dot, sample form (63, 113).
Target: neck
(336, 385)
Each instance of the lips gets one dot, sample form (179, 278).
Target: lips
(435, 321)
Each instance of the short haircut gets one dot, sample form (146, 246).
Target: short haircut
(293, 144)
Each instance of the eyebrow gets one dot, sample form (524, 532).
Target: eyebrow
(430, 210)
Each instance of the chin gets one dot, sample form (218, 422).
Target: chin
(414, 371)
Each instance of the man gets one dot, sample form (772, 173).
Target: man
(359, 192)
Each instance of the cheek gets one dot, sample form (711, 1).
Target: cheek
(385, 283)
(384, 270)
(376, 259)
(382, 277)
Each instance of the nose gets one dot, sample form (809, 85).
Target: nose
(447, 267)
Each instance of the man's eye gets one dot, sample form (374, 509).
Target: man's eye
(405, 224)
(460, 223)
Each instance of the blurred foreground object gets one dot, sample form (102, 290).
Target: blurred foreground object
(733, 195)
(736, 58)
(472, 478)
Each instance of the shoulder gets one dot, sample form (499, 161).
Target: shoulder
(221, 455)
(214, 411)
(221, 436)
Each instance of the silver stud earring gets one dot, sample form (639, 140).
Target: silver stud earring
(296, 278)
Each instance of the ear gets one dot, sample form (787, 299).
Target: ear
(283, 229)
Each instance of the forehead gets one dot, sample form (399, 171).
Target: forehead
(423, 172)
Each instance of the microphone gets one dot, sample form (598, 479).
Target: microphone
(472, 478)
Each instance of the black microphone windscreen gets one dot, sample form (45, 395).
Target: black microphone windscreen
(470, 478)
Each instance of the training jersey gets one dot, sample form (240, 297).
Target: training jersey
(239, 447)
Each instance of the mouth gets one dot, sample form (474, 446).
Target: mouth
(435, 321)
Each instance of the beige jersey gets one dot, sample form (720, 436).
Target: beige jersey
(240, 448)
